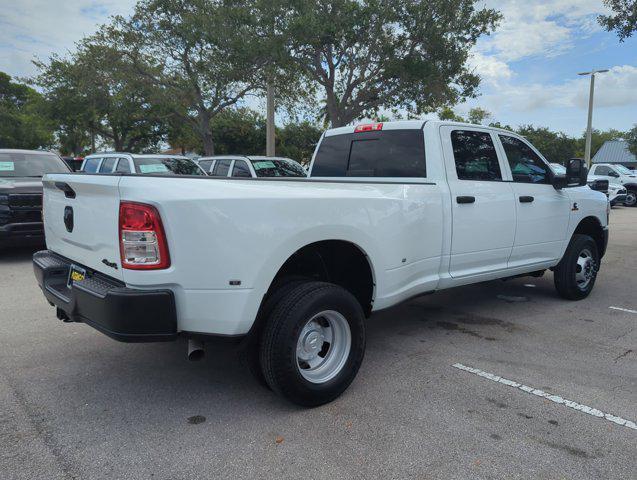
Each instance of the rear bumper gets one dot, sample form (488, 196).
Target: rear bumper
(106, 304)
(21, 234)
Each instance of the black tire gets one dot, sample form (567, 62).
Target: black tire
(249, 352)
(631, 198)
(566, 272)
(279, 362)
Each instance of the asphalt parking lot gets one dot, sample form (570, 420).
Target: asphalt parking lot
(76, 404)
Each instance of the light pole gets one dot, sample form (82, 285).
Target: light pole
(589, 127)
(269, 122)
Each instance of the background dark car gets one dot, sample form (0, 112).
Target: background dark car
(21, 174)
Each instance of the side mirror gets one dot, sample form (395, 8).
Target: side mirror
(613, 174)
(559, 181)
(576, 175)
(576, 172)
(599, 185)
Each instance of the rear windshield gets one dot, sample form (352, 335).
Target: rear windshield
(278, 168)
(30, 164)
(389, 153)
(167, 166)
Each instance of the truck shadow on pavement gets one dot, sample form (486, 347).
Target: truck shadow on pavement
(17, 255)
(132, 380)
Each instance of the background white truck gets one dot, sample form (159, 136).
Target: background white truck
(293, 266)
(617, 175)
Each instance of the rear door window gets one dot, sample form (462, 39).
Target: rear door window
(90, 166)
(206, 164)
(475, 156)
(241, 169)
(108, 164)
(123, 166)
(221, 168)
(389, 153)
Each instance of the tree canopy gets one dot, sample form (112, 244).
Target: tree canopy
(94, 89)
(200, 56)
(622, 20)
(23, 120)
(367, 55)
(631, 138)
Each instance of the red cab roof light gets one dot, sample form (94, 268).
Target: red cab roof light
(368, 127)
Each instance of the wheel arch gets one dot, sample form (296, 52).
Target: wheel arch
(337, 261)
(293, 264)
(592, 227)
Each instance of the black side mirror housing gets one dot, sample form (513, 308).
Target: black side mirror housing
(599, 185)
(559, 181)
(576, 175)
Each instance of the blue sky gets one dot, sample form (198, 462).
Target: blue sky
(528, 67)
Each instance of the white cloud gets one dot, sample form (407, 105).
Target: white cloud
(613, 89)
(536, 27)
(490, 68)
(38, 28)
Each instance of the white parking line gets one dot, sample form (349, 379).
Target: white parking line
(627, 310)
(553, 398)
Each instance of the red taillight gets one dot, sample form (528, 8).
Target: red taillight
(368, 127)
(142, 241)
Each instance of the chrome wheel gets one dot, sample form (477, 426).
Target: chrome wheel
(585, 269)
(323, 346)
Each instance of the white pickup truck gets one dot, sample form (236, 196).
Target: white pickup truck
(617, 176)
(293, 266)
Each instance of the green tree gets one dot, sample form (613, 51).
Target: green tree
(478, 115)
(447, 113)
(201, 56)
(23, 120)
(298, 141)
(623, 20)
(391, 54)
(502, 126)
(235, 131)
(557, 147)
(95, 90)
(239, 131)
(631, 138)
(598, 137)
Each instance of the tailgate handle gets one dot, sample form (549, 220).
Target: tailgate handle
(66, 188)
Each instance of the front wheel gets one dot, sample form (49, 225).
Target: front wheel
(631, 198)
(576, 273)
(313, 343)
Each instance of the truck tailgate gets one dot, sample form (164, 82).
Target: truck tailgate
(81, 215)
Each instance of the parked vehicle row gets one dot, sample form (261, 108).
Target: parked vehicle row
(291, 266)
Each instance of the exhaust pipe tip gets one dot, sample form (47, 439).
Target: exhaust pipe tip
(196, 350)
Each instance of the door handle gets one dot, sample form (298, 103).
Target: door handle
(465, 199)
(526, 199)
(66, 188)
